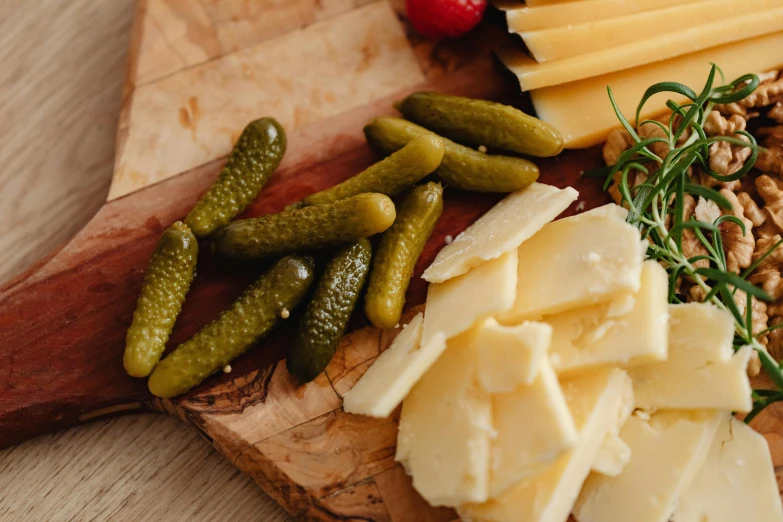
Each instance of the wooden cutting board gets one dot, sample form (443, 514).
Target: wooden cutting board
(199, 70)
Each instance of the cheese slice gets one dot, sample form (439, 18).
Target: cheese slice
(389, 380)
(511, 355)
(737, 481)
(445, 429)
(535, 75)
(667, 452)
(613, 455)
(577, 39)
(702, 371)
(576, 261)
(454, 306)
(610, 209)
(595, 401)
(632, 329)
(502, 229)
(524, 17)
(534, 427)
(538, 3)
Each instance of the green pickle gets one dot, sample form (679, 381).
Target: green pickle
(306, 229)
(390, 176)
(252, 316)
(481, 122)
(166, 282)
(254, 158)
(398, 252)
(461, 167)
(329, 310)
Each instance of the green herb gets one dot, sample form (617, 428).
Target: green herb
(656, 207)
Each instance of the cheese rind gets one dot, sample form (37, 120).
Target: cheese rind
(630, 330)
(389, 380)
(445, 429)
(736, 482)
(502, 229)
(667, 451)
(702, 371)
(581, 110)
(454, 306)
(576, 261)
(511, 355)
(534, 427)
(595, 401)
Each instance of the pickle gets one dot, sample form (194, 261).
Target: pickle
(163, 291)
(305, 229)
(390, 176)
(480, 122)
(461, 167)
(253, 315)
(254, 158)
(398, 252)
(329, 310)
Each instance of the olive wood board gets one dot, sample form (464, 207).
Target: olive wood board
(198, 71)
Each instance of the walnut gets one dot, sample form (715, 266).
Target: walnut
(775, 339)
(770, 160)
(776, 113)
(754, 364)
(761, 97)
(696, 294)
(771, 191)
(635, 177)
(651, 130)
(726, 159)
(752, 210)
(691, 246)
(708, 181)
(758, 312)
(767, 274)
(706, 211)
(617, 142)
(717, 125)
(738, 246)
(775, 308)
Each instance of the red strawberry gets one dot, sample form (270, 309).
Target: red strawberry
(445, 18)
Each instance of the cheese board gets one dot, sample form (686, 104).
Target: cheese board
(198, 71)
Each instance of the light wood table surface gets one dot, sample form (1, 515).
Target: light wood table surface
(61, 69)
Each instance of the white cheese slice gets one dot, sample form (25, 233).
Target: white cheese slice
(667, 452)
(454, 306)
(503, 228)
(702, 371)
(629, 330)
(595, 401)
(510, 355)
(445, 429)
(576, 261)
(534, 427)
(389, 380)
(737, 481)
(613, 455)
(610, 209)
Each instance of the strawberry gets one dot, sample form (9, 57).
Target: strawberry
(445, 18)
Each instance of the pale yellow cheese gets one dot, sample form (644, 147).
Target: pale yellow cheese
(383, 387)
(632, 329)
(576, 261)
(581, 110)
(502, 229)
(613, 455)
(737, 481)
(568, 40)
(454, 306)
(446, 427)
(534, 427)
(535, 75)
(702, 371)
(511, 355)
(610, 209)
(666, 453)
(595, 401)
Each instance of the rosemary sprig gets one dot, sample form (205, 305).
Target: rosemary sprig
(656, 207)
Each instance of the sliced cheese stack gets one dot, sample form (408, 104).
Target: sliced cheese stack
(579, 48)
(538, 341)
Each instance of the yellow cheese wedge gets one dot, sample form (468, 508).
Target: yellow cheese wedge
(576, 261)
(445, 429)
(511, 355)
(666, 453)
(454, 306)
(581, 110)
(632, 329)
(610, 209)
(521, 17)
(503, 228)
(538, 3)
(569, 40)
(613, 455)
(702, 371)
(737, 481)
(383, 387)
(595, 401)
(533, 427)
(534, 75)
